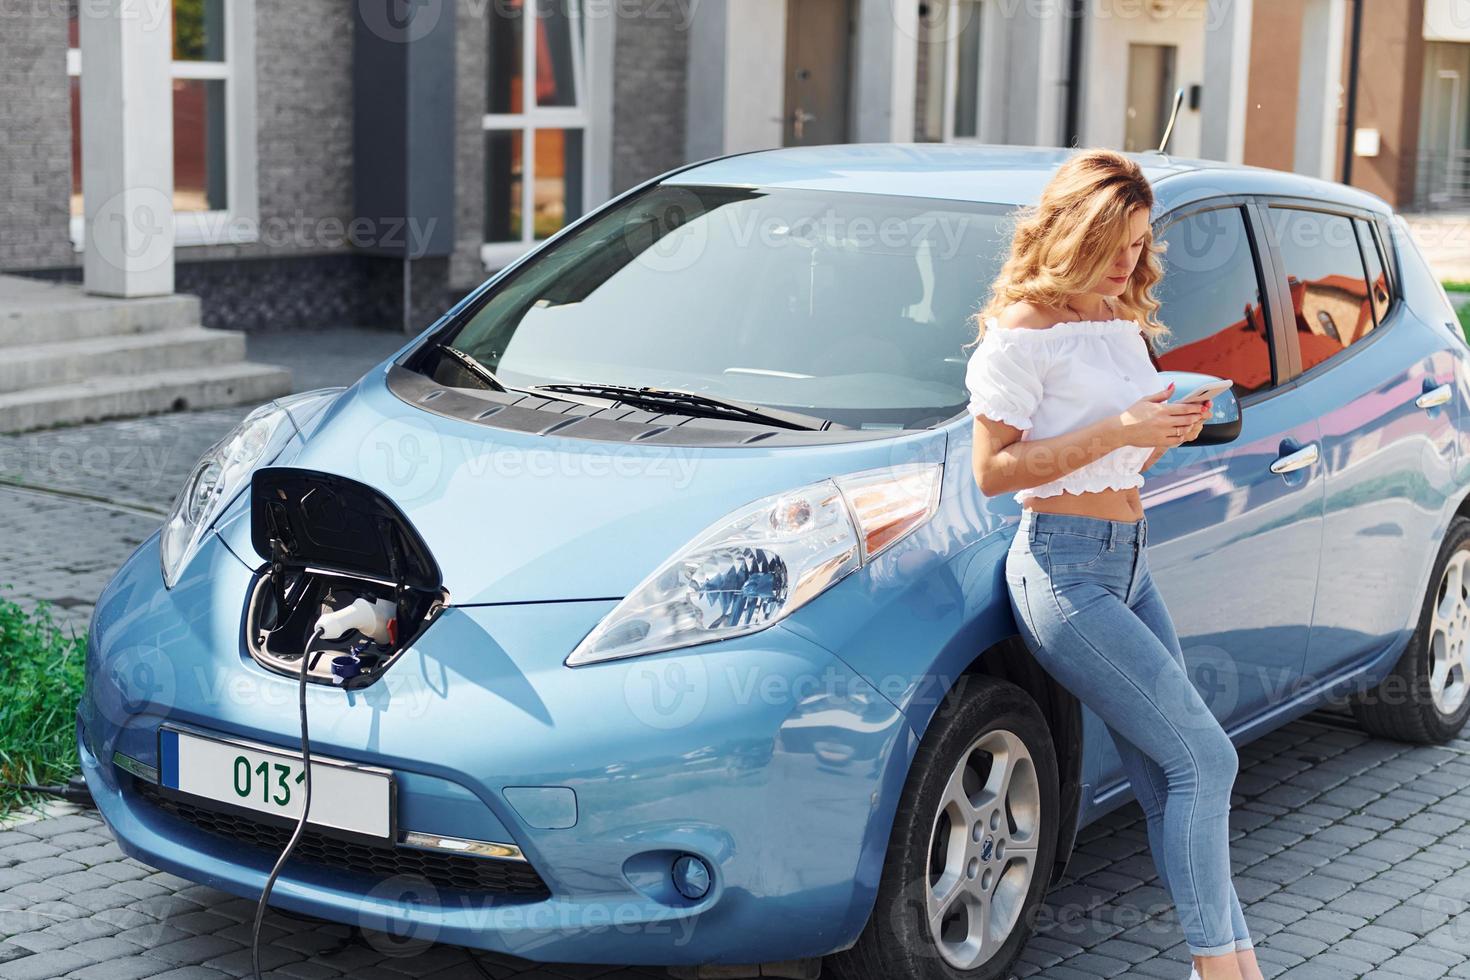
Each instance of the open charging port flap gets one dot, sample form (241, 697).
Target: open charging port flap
(338, 553)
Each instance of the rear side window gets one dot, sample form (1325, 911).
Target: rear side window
(1330, 299)
(1211, 301)
(1380, 291)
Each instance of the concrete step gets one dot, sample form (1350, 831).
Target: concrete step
(122, 396)
(33, 311)
(45, 365)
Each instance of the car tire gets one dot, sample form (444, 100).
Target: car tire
(984, 722)
(1426, 697)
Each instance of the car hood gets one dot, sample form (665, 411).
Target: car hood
(512, 517)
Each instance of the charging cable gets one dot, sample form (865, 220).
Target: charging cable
(300, 823)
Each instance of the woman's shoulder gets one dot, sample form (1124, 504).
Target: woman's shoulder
(1024, 315)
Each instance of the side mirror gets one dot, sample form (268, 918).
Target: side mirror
(1223, 425)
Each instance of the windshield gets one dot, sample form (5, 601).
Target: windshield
(849, 307)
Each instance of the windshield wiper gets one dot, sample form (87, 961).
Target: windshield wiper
(693, 403)
(468, 362)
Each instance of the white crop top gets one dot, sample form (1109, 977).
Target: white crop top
(1051, 380)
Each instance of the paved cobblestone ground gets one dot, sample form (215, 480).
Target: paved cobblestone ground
(1352, 855)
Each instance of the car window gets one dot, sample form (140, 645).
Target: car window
(853, 307)
(1381, 291)
(1328, 283)
(1211, 301)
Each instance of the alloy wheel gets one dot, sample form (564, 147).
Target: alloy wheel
(982, 849)
(1448, 634)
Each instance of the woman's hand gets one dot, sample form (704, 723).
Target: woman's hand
(1154, 421)
(1198, 424)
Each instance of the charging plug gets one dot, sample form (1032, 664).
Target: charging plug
(372, 618)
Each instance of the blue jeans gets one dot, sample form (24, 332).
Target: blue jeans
(1089, 612)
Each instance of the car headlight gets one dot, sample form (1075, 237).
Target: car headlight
(766, 560)
(225, 469)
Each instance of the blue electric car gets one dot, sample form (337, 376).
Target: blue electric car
(677, 629)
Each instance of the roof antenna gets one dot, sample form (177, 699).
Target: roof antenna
(1173, 118)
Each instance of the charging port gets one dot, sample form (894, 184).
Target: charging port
(349, 583)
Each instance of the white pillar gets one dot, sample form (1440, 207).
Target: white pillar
(755, 79)
(1023, 67)
(736, 77)
(1323, 28)
(885, 63)
(127, 147)
(1051, 70)
(1227, 67)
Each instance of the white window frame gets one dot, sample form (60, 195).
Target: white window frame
(587, 61)
(239, 222)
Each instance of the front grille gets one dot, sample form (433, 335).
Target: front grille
(444, 871)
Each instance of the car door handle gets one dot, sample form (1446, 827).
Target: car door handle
(1435, 396)
(1305, 456)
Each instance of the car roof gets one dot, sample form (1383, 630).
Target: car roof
(995, 174)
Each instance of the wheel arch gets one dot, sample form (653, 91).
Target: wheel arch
(1008, 659)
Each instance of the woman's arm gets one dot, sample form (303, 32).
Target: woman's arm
(1003, 463)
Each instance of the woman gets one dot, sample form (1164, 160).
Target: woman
(1069, 410)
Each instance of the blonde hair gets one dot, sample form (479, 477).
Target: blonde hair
(1066, 243)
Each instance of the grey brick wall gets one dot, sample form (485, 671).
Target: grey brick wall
(35, 138)
(304, 128)
(650, 65)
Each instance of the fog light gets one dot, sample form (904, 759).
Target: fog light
(691, 877)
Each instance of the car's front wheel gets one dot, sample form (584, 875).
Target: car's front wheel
(972, 844)
(1426, 697)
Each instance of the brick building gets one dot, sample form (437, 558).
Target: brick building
(367, 161)
(290, 123)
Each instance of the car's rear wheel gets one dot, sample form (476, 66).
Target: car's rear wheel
(972, 845)
(1426, 697)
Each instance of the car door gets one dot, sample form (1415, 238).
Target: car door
(1376, 375)
(1233, 544)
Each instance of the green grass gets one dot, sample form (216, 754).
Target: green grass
(41, 666)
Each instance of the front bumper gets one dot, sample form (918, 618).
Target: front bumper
(764, 755)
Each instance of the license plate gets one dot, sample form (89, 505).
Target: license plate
(343, 796)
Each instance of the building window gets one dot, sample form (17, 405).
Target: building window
(535, 134)
(949, 70)
(213, 121)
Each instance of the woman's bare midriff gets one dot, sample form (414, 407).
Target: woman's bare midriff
(1110, 505)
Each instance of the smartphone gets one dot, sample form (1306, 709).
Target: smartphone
(1207, 391)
